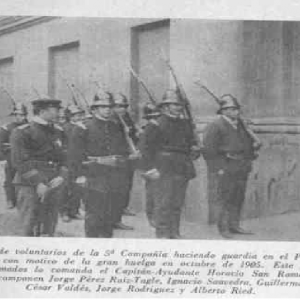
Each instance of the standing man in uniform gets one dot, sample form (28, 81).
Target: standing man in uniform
(71, 199)
(121, 108)
(20, 117)
(98, 161)
(150, 114)
(166, 153)
(229, 151)
(37, 155)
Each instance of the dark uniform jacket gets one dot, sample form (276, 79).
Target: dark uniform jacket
(131, 127)
(99, 138)
(68, 128)
(5, 132)
(37, 152)
(167, 147)
(227, 148)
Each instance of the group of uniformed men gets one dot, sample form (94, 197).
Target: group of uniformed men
(53, 167)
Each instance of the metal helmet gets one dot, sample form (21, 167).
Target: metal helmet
(228, 101)
(150, 111)
(102, 99)
(120, 100)
(19, 109)
(170, 97)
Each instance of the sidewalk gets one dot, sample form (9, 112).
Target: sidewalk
(284, 227)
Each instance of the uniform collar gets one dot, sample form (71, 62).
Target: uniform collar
(234, 124)
(39, 120)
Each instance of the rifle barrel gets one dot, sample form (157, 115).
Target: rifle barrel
(9, 95)
(80, 93)
(208, 91)
(246, 127)
(36, 91)
(142, 83)
(186, 102)
(129, 140)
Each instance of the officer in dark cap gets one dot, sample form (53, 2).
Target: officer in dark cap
(19, 115)
(166, 159)
(121, 108)
(71, 199)
(98, 161)
(37, 155)
(229, 150)
(150, 115)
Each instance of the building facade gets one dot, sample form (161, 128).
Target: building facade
(257, 61)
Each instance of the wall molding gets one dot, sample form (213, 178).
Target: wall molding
(274, 125)
(11, 24)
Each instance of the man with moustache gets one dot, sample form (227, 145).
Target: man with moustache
(37, 155)
(98, 161)
(229, 150)
(167, 160)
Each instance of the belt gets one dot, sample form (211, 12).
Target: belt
(174, 150)
(110, 160)
(236, 156)
(44, 164)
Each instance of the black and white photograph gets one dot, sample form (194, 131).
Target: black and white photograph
(149, 150)
(149, 128)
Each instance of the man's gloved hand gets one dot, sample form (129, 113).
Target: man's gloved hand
(135, 156)
(81, 181)
(41, 190)
(55, 182)
(152, 174)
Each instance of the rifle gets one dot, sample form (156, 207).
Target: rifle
(70, 88)
(36, 91)
(257, 142)
(101, 87)
(126, 129)
(133, 150)
(186, 102)
(82, 96)
(142, 83)
(13, 101)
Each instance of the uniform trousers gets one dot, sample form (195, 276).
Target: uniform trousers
(70, 203)
(127, 192)
(8, 185)
(169, 194)
(149, 187)
(104, 201)
(38, 217)
(102, 211)
(213, 195)
(232, 189)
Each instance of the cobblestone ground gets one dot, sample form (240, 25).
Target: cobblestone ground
(284, 227)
